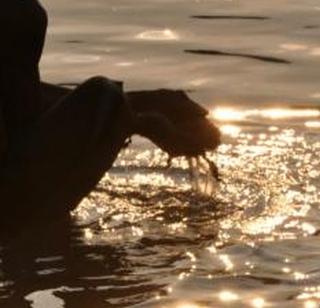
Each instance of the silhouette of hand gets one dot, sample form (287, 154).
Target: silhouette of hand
(174, 122)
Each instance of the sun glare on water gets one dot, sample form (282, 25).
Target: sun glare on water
(233, 114)
(188, 305)
(312, 124)
(228, 114)
(230, 130)
(228, 296)
(158, 35)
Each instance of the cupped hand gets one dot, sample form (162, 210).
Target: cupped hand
(174, 122)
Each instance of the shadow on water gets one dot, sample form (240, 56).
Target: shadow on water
(57, 262)
(74, 42)
(60, 264)
(236, 54)
(311, 27)
(229, 17)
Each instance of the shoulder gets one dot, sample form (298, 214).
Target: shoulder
(22, 10)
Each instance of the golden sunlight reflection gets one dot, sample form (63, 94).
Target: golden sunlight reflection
(124, 64)
(80, 59)
(234, 114)
(228, 114)
(188, 305)
(273, 129)
(311, 304)
(169, 290)
(281, 113)
(191, 256)
(177, 227)
(230, 130)
(137, 231)
(182, 276)
(310, 293)
(158, 35)
(294, 47)
(257, 302)
(308, 228)
(263, 224)
(225, 259)
(269, 191)
(315, 51)
(228, 296)
(300, 276)
(212, 249)
(88, 234)
(312, 124)
(286, 270)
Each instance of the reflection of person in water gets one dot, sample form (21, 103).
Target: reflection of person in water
(56, 143)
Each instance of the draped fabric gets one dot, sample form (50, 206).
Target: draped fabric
(22, 27)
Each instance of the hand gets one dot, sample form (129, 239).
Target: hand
(174, 122)
(173, 104)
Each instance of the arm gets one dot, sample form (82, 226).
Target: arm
(175, 105)
(178, 139)
(169, 118)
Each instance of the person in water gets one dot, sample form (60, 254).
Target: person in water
(56, 143)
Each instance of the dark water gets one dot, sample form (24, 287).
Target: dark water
(149, 237)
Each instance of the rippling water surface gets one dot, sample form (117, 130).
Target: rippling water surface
(150, 237)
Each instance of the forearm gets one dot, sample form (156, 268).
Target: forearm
(52, 93)
(162, 133)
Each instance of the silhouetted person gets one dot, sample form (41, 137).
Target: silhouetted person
(56, 143)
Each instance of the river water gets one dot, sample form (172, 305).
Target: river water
(148, 236)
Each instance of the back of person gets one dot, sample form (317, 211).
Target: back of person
(22, 28)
